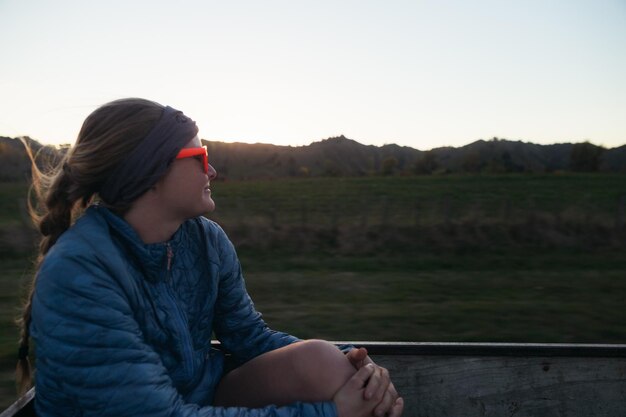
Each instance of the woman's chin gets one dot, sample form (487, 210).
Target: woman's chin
(209, 205)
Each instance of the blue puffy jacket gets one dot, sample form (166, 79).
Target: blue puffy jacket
(123, 328)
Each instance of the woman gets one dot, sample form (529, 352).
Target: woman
(129, 292)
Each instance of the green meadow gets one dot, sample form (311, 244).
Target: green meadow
(517, 258)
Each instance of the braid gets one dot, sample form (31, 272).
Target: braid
(59, 200)
(23, 369)
(60, 204)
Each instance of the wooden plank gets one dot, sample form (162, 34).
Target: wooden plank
(509, 386)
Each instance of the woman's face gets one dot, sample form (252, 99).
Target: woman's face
(185, 190)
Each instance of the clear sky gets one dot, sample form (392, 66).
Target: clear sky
(418, 73)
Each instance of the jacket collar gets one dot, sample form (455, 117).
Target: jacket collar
(151, 258)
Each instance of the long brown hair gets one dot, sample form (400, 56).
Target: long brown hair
(57, 197)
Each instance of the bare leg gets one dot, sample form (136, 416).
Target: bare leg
(311, 370)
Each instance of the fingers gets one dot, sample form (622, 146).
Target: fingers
(349, 399)
(361, 376)
(378, 384)
(379, 397)
(385, 406)
(398, 407)
(357, 357)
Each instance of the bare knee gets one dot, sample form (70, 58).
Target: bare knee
(311, 370)
(322, 368)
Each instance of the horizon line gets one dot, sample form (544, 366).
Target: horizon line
(492, 139)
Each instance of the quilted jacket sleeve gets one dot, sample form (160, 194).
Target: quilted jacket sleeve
(238, 326)
(92, 360)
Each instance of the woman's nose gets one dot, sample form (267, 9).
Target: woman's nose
(212, 173)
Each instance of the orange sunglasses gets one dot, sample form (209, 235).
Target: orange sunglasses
(195, 152)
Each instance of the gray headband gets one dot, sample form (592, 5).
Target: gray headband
(149, 161)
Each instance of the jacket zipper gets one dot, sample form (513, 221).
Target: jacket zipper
(170, 255)
(178, 317)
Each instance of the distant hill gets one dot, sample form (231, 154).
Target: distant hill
(336, 156)
(340, 156)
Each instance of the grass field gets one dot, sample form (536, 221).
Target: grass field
(421, 200)
(470, 258)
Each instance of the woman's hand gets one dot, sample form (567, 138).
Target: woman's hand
(379, 385)
(350, 399)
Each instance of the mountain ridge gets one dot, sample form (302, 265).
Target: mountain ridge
(341, 156)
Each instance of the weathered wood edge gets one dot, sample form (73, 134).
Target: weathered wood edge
(590, 350)
(492, 349)
(19, 404)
